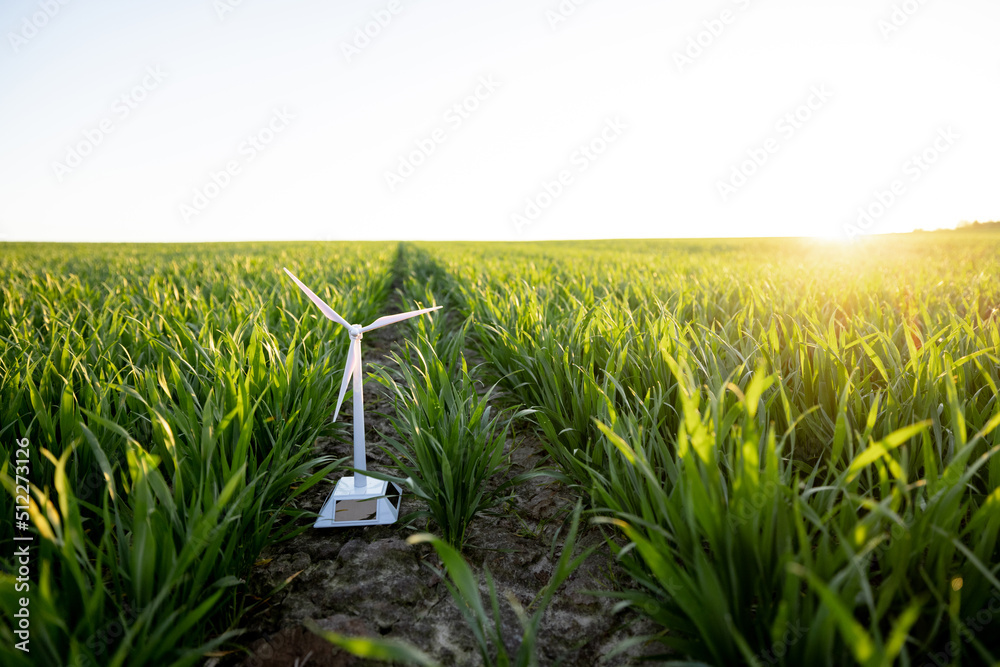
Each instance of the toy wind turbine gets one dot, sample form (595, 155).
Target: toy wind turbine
(358, 500)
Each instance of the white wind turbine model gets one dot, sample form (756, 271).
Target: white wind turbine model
(358, 500)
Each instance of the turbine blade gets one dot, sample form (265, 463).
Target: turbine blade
(348, 372)
(392, 319)
(327, 310)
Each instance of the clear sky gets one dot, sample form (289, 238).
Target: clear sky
(198, 120)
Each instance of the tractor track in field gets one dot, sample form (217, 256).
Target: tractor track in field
(369, 581)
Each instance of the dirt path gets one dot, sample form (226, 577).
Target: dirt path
(369, 581)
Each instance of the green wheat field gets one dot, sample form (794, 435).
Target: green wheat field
(793, 446)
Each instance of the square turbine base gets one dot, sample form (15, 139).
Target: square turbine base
(374, 505)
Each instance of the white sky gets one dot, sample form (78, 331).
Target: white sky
(680, 131)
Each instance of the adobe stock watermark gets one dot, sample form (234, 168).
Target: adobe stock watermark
(563, 12)
(779, 649)
(968, 629)
(224, 8)
(247, 152)
(580, 160)
(21, 559)
(712, 30)
(786, 127)
(121, 109)
(33, 24)
(911, 171)
(900, 15)
(363, 35)
(108, 636)
(454, 117)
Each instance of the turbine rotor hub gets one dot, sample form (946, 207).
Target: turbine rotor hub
(355, 332)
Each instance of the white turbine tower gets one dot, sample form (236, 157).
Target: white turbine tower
(358, 500)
